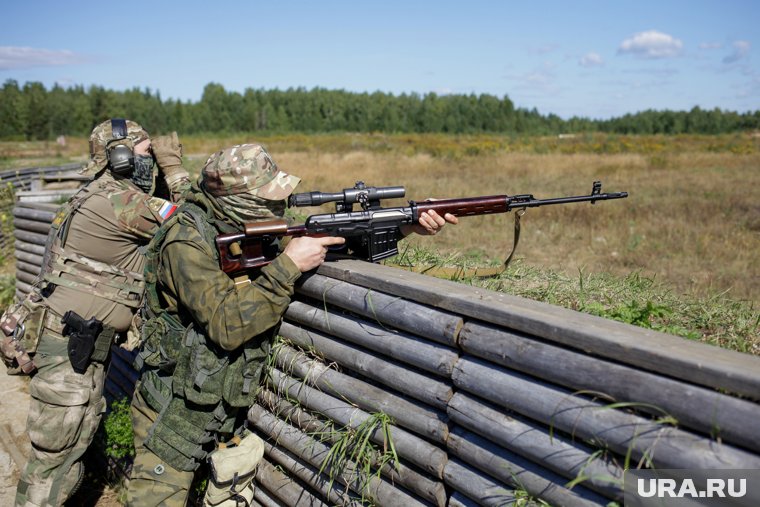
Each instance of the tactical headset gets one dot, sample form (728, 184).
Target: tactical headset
(120, 149)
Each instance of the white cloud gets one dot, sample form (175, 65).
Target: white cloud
(13, 57)
(591, 60)
(651, 44)
(741, 49)
(710, 45)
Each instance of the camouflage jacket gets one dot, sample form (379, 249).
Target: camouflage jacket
(101, 238)
(195, 290)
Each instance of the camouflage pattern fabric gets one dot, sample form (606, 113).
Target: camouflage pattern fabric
(246, 208)
(111, 221)
(231, 315)
(64, 412)
(246, 168)
(153, 481)
(195, 291)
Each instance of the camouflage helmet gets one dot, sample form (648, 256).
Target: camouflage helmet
(246, 168)
(99, 139)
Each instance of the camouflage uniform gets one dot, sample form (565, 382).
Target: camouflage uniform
(205, 343)
(93, 265)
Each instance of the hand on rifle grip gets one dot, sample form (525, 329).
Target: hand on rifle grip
(308, 253)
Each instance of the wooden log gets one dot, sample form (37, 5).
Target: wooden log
(657, 352)
(31, 225)
(32, 269)
(37, 215)
(593, 421)
(477, 486)
(119, 386)
(29, 247)
(41, 206)
(517, 472)
(25, 277)
(29, 258)
(316, 453)
(285, 489)
(397, 472)
(721, 416)
(22, 289)
(31, 237)
(459, 500)
(418, 418)
(431, 357)
(334, 493)
(265, 498)
(431, 323)
(562, 455)
(410, 447)
(46, 196)
(428, 390)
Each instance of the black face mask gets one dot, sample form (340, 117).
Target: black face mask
(142, 176)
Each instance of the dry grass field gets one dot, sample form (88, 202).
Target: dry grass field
(692, 218)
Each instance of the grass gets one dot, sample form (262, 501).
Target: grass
(681, 254)
(634, 299)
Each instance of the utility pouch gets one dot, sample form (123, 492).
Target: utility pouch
(22, 325)
(82, 335)
(233, 466)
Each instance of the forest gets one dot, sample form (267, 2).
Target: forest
(33, 112)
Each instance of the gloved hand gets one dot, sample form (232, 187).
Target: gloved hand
(167, 151)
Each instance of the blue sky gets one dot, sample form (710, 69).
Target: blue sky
(596, 59)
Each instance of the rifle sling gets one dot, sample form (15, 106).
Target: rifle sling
(455, 273)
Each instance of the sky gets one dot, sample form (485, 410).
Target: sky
(593, 59)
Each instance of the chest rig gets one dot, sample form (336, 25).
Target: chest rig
(180, 364)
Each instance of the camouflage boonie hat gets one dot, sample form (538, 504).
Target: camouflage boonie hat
(246, 168)
(99, 139)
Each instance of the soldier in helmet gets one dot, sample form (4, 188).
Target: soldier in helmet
(86, 297)
(206, 338)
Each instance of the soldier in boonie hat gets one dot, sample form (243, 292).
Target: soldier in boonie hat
(246, 168)
(246, 183)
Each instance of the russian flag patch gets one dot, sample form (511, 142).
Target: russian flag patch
(167, 209)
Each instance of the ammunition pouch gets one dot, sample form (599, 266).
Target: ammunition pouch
(206, 374)
(22, 325)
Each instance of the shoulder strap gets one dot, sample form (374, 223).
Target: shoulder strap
(155, 250)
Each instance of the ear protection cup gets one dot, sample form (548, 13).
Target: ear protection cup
(121, 156)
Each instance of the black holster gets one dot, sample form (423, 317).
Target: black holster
(89, 340)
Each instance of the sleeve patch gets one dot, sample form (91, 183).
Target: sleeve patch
(167, 209)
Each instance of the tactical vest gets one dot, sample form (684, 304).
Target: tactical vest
(179, 363)
(87, 275)
(33, 315)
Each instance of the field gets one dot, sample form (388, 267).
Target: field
(691, 221)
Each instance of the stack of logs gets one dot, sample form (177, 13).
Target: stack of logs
(492, 397)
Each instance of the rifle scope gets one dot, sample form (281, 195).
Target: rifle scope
(360, 193)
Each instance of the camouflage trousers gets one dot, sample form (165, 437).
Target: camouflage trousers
(64, 412)
(153, 482)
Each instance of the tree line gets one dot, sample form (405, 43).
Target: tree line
(31, 111)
